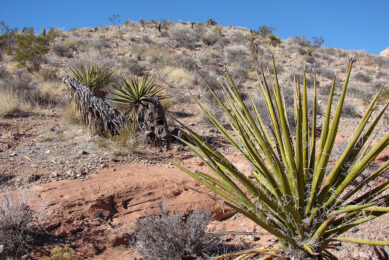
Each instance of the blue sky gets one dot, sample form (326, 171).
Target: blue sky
(348, 24)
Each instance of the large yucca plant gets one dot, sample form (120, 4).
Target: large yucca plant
(97, 78)
(294, 193)
(131, 92)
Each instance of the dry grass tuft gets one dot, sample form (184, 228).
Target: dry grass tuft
(10, 103)
(179, 76)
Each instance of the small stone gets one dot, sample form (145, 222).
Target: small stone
(82, 152)
(1, 248)
(47, 152)
(12, 154)
(54, 174)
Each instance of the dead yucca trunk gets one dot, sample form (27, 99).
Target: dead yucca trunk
(104, 119)
(95, 112)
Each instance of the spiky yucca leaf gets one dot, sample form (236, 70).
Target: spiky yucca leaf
(131, 92)
(292, 194)
(97, 78)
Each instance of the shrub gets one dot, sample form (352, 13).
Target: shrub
(101, 44)
(4, 74)
(184, 38)
(301, 40)
(265, 31)
(274, 40)
(11, 103)
(317, 41)
(235, 53)
(210, 21)
(49, 75)
(135, 68)
(326, 73)
(350, 111)
(62, 253)
(20, 226)
(240, 74)
(97, 78)
(187, 63)
(362, 77)
(30, 50)
(292, 192)
(169, 237)
(237, 37)
(7, 38)
(62, 51)
(22, 89)
(210, 39)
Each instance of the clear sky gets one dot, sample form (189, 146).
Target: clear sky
(348, 24)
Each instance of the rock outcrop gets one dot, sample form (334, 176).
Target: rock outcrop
(385, 53)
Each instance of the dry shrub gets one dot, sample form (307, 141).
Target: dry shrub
(63, 51)
(184, 38)
(350, 111)
(72, 114)
(11, 103)
(170, 237)
(21, 215)
(235, 53)
(179, 76)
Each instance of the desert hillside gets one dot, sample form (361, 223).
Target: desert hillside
(90, 189)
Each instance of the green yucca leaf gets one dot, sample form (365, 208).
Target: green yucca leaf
(131, 92)
(97, 78)
(291, 194)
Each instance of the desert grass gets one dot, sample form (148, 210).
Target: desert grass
(10, 103)
(179, 76)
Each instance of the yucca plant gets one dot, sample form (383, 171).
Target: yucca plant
(294, 193)
(97, 78)
(131, 92)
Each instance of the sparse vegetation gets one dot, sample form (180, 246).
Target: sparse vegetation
(184, 38)
(274, 40)
(301, 40)
(210, 21)
(62, 253)
(20, 226)
(265, 30)
(62, 51)
(169, 237)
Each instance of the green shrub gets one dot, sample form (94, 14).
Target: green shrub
(210, 21)
(293, 192)
(265, 30)
(274, 40)
(30, 49)
(62, 253)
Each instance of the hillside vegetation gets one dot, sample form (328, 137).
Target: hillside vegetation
(179, 55)
(309, 177)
